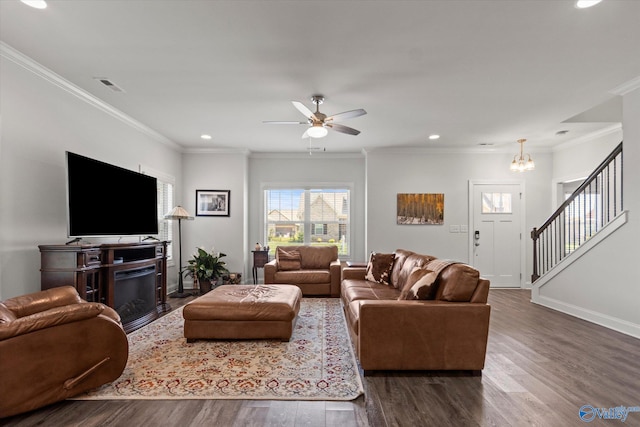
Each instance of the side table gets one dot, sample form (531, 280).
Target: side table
(260, 258)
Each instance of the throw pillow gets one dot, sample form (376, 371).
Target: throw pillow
(416, 274)
(288, 259)
(379, 268)
(423, 288)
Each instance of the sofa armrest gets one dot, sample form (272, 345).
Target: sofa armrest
(52, 317)
(422, 335)
(354, 273)
(270, 269)
(36, 302)
(335, 271)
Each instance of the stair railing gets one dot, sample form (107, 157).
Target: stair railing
(589, 208)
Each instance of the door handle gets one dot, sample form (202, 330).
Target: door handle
(477, 244)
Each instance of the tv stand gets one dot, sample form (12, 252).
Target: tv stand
(108, 273)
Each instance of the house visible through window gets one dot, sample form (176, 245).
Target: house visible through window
(296, 216)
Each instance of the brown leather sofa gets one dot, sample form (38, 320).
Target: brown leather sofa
(54, 345)
(316, 270)
(448, 331)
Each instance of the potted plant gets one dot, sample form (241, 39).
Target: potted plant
(206, 268)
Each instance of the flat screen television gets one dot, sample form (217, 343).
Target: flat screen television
(107, 200)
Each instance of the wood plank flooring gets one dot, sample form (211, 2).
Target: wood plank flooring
(541, 368)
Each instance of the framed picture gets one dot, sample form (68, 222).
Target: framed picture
(420, 208)
(212, 202)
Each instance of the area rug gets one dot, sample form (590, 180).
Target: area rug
(318, 362)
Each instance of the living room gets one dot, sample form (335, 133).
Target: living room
(45, 113)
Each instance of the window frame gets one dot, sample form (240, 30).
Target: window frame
(165, 179)
(307, 223)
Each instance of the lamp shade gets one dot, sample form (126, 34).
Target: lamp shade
(178, 213)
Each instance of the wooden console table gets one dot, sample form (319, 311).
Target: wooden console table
(94, 271)
(260, 258)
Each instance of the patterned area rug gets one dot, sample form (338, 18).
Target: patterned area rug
(317, 364)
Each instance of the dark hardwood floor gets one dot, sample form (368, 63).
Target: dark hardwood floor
(541, 368)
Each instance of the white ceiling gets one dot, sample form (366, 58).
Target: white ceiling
(475, 72)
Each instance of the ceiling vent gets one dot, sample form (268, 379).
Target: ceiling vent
(108, 83)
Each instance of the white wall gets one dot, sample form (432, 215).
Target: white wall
(41, 119)
(578, 160)
(603, 285)
(392, 172)
(216, 171)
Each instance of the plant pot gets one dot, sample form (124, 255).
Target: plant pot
(206, 285)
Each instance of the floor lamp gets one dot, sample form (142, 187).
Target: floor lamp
(179, 213)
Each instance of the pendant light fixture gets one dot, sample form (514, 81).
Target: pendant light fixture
(519, 164)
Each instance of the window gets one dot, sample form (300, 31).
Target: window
(165, 184)
(496, 203)
(165, 204)
(296, 216)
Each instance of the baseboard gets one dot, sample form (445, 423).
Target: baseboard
(609, 322)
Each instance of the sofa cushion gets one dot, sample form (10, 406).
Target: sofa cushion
(356, 290)
(317, 257)
(398, 262)
(379, 267)
(302, 276)
(457, 282)
(288, 259)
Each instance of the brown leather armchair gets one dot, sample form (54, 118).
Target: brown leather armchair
(54, 345)
(316, 270)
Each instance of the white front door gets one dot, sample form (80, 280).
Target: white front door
(496, 233)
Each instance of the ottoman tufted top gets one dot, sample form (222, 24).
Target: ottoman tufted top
(246, 302)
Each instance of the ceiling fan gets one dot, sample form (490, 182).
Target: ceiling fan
(320, 122)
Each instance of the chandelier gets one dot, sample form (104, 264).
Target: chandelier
(519, 164)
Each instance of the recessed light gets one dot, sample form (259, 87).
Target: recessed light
(583, 4)
(38, 4)
(205, 136)
(434, 136)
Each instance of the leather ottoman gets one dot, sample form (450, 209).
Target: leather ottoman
(243, 312)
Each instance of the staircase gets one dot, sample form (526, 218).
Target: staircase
(597, 203)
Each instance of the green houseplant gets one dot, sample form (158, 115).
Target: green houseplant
(206, 268)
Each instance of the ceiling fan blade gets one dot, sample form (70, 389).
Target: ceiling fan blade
(304, 110)
(346, 115)
(272, 122)
(305, 134)
(342, 128)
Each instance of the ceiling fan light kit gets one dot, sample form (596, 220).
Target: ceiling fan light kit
(319, 124)
(317, 130)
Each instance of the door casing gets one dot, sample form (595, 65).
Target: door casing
(523, 234)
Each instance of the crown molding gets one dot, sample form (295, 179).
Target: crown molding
(51, 77)
(510, 149)
(626, 87)
(306, 155)
(205, 150)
